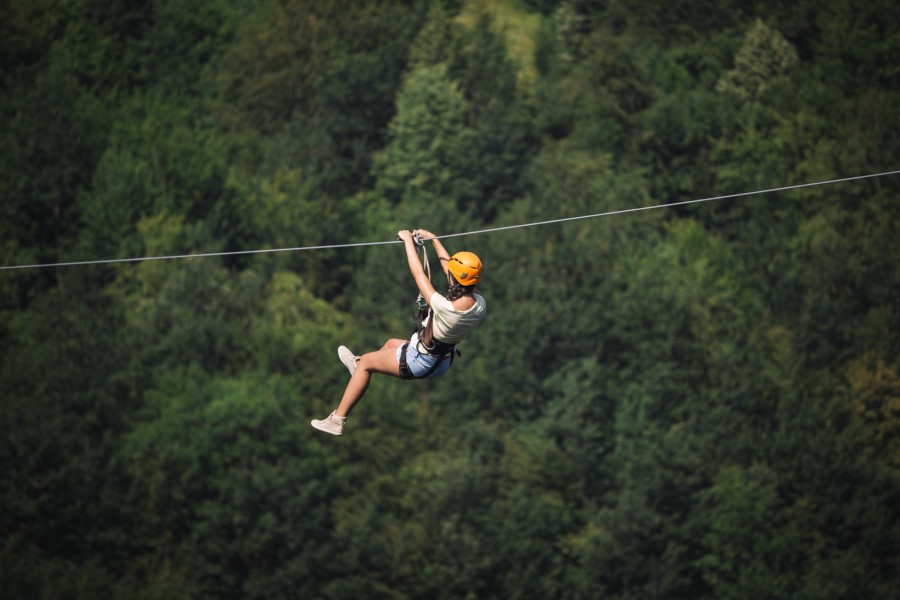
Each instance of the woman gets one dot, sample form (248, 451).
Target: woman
(429, 352)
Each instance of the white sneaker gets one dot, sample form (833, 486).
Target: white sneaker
(332, 424)
(349, 359)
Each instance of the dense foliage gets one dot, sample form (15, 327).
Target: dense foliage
(697, 402)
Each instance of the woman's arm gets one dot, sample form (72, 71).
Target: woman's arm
(442, 253)
(415, 266)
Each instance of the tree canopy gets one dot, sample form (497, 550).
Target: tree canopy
(696, 402)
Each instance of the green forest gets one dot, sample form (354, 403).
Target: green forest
(695, 402)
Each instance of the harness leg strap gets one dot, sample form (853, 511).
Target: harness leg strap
(406, 372)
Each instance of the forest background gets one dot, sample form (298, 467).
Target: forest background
(696, 402)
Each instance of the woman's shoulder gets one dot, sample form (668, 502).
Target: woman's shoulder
(438, 299)
(460, 305)
(473, 303)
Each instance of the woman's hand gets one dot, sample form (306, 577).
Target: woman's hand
(442, 253)
(415, 265)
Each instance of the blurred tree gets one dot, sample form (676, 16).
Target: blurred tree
(502, 144)
(429, 142)
(764, 55)
(753, 551)
(54, 136)
(439, 41)
(876, 390)
(611, 85)
(312, 86)
(162, 159)
(63, 409)
(230, 496)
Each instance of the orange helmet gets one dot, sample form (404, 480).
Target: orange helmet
(465, 267)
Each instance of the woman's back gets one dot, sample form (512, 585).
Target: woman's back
(452, 324)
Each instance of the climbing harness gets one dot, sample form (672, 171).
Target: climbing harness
(423, 329)
(406, 372)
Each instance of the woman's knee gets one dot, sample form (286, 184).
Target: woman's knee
(371, 359)
(382, 361)
(392, 344)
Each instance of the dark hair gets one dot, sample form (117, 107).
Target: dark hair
(457, 290)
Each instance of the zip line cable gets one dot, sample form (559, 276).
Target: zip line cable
(671, 204)
(480, 231)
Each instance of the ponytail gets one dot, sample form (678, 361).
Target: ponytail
(456, 290)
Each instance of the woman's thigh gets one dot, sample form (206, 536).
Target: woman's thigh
(383, 361)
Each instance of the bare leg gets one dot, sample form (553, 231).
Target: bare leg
(382, 361)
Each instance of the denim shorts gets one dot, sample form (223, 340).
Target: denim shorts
(419, 363)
